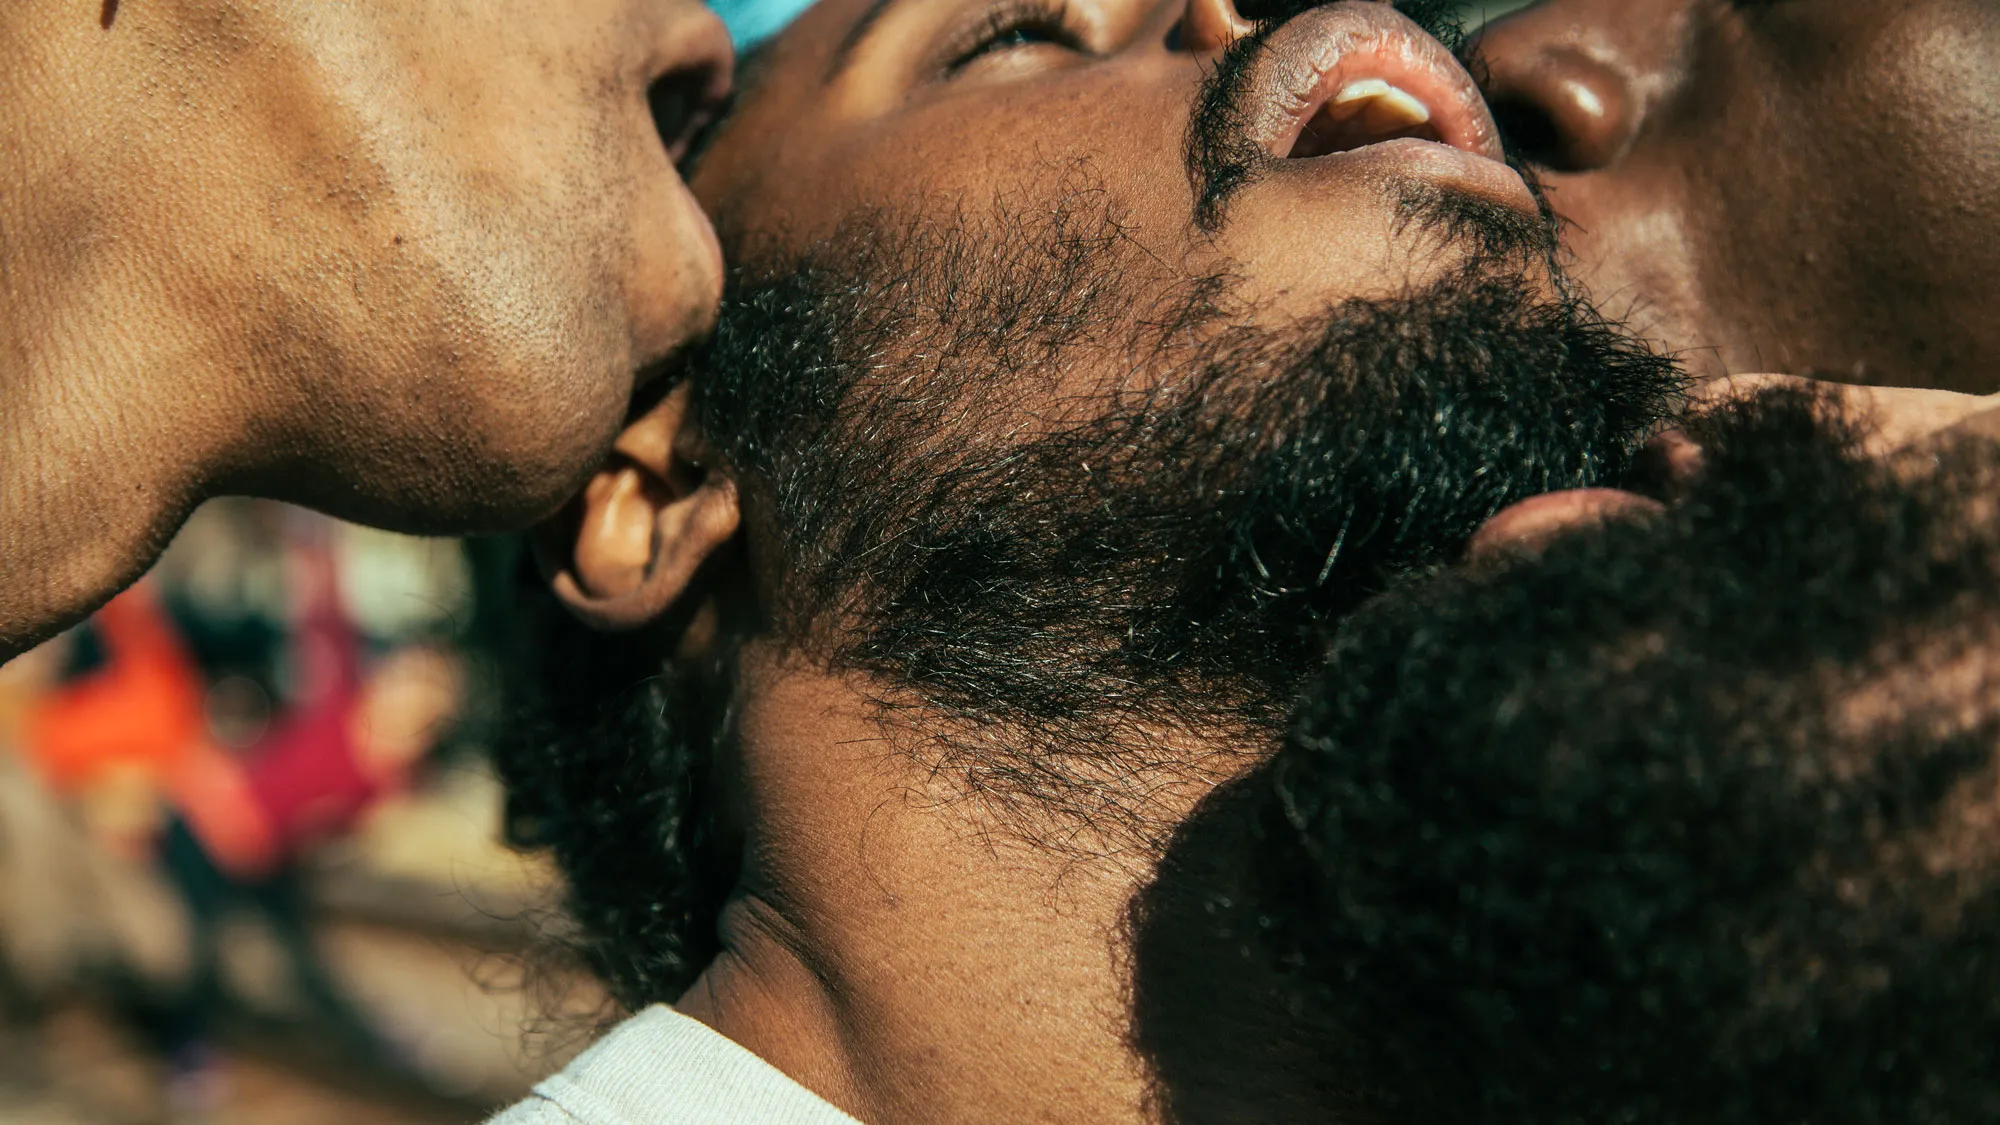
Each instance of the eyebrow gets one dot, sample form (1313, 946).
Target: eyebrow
(845, 52)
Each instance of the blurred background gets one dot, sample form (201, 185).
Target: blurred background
(251, 858)
(252, 866)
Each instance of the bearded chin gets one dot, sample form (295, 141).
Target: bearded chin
(1039, 578)
(1068, 568)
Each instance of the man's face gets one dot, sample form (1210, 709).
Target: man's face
(1127, 356)
(1806, 186)
(905, 106)
(1059, 465)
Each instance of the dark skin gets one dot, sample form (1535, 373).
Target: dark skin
(893, 125)
(884, 944)
(400, 261)
(1807, 187)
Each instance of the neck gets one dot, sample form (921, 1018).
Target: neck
(94, 480)
(903, 953)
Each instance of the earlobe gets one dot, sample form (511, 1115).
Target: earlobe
(642, 527)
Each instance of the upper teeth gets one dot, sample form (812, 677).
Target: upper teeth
(1386, 107)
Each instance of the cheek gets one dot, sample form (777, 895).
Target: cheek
(1919, 125)
(1854, 178)
(971, 155)
(1857, 120)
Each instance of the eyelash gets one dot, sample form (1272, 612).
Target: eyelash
(1025, 23)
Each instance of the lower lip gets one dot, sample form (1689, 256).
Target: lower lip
(1440, 164)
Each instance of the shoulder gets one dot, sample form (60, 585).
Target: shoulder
(664, 1068)
(537, 1110)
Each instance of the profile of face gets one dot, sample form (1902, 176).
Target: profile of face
(529, 253)
(1805, 186)
(1081, 361)
(402, 262)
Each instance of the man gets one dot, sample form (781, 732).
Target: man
(1085, 362)
(1809, 188)
(1687, 818)
(399, 261)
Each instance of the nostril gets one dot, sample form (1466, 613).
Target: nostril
(1562, 108)
(1528, 132)
(684, 102)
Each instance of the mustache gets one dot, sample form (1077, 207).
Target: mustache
(1440, 19)
(1221, 158)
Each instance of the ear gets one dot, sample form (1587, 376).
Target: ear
(630, 545)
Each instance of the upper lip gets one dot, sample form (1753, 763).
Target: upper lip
(1308, 62)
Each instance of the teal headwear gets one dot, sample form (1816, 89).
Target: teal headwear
(753, 21)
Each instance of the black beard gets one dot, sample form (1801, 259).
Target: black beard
(1440, 19)
(607, 766)
(963, 515)
(1678, 822)
(1040, 564)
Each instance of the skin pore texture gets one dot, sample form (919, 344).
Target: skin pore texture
(401, 261)
(1683, 817)
(998, 521)
(1807, 186)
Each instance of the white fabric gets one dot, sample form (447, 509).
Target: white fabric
(663, 1068)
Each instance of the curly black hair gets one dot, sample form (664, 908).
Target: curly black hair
(1684, 821)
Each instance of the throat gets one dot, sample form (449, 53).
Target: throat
(947, 1000)
(900, 958)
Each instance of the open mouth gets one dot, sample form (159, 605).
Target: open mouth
(1351, 75)
(1365, 111)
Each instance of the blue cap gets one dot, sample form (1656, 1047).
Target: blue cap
(753, 21)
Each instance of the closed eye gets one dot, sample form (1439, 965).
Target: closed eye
(1020, 26)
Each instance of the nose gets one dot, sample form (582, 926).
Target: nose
(1210, 25)
(1571, 81)
(674, 62)
(686, 68)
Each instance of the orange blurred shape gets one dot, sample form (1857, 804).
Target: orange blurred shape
(142, 709)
